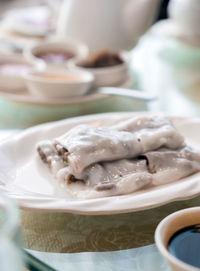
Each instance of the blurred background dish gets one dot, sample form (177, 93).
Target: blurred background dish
(12, 69)
(56, 53)
(58, 85)
(110, 68)
(102, 59)
(21, 110)
(11, 46)
(26, 109)
(29, 21)
(27, 98)
(12, 43)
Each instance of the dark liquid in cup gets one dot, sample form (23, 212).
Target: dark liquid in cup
(185, 245)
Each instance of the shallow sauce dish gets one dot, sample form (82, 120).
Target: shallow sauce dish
(58, 85)
(25, 180)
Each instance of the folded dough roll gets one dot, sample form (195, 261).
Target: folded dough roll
(171, 165)
(108, 179)
(87, 145)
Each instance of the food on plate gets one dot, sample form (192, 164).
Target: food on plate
(102, 59)
(107, 144)
(166, 164)
(106, 161)
(55, 56)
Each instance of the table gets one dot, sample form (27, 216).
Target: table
(112, 242)
(133, 259)
(127, 237)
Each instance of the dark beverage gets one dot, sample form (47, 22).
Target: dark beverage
(185, 245)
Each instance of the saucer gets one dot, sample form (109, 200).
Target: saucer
(27, 98)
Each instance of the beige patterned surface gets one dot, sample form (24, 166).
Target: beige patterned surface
(61, 232)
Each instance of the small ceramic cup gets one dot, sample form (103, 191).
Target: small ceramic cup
(168, 227)
(56, 53)
(105, 76)
(58, 85)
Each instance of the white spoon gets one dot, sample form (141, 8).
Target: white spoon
(132, 93)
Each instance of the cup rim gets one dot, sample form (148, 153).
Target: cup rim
(159, 238)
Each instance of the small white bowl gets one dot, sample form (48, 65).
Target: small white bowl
(108, 76)
(75, 48)
(58, 85)
(14, 82)
(168, 227)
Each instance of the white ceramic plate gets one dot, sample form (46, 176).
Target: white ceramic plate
(26, 179)
(26, 97)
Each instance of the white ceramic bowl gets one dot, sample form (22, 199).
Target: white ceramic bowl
(168, 227)
(108, 76)
(14, 81)
(75, 48)
(53, 85)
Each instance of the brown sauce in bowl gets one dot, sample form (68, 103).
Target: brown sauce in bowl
(102, 59)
